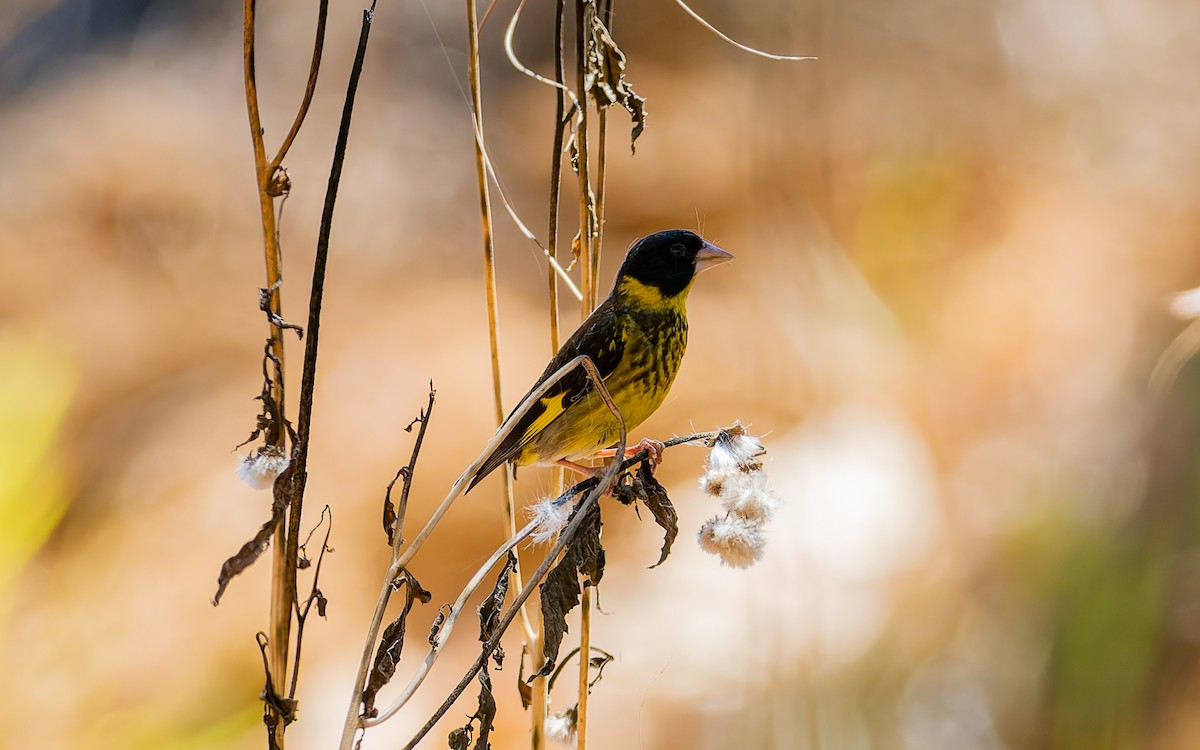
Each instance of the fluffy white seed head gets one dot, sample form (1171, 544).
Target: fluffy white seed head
(734, 449)
(713, 482)
(551, 518)
(561, 727)
(1186, 305)
(737, 541)
(260, 468)
(745, 494)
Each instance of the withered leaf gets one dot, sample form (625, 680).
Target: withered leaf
(493, 605)
(322, 602)
(623, 491)
(389, 519)
(560, 591)
(589, 552)
(498, 655)
(559, 595)
(606, 82)
(416, 589)
(389, 510)
(246, 556)
(460, 738)
(523, 688)
(486, 712)
(387, 656)
(654, 495)
(598, 663)
(436, 628)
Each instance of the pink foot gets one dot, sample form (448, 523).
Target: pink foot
(587, 471)
(655, 447)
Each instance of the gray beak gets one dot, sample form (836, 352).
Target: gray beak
(710, 255)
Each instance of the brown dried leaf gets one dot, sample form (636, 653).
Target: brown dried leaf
(387, 656)
(605, 79)
(436, 628)
(246, 556)
(560, 591)
(523, 688)
(389, 510)
(654, 495)
(486, 713)
(493, 605)
(460, 738)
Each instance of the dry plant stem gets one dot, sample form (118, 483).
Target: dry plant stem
(585, 616)
(280, 611)
(402, 557)
(601, 179)
(596, 228)
(282, 596)
(699, 19)
(299, 473)
(566, 535)
(281, 601)
(302, 610)
(447, 626)
(539, 690)
(585, 648)
(556, 169)
(314, 69)
(598, 219)
(402, 504)
(489, 265)
(485, 211)
(583, 21)
(516, 63)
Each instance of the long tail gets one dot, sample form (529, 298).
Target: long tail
(493, 462)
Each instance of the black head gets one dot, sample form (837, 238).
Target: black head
(669, 260)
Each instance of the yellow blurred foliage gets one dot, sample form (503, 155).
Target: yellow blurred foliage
(36, 387)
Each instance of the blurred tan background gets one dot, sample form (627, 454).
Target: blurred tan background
(956, 235)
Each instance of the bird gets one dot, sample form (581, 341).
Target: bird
(636, 337)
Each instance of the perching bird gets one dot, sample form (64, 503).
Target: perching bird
(636, 337)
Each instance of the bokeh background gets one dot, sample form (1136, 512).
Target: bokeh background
(956, 232)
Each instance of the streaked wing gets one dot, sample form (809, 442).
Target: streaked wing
(602, 338)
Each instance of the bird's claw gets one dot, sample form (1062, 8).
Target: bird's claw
(654, 447)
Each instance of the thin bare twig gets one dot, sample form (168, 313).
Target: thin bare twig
(504, 201)
(310, 86)
(556, 169)
(512, 213)
(584, 10)
(509, 32)
(314, 595)
(539, 698)
(410, 470)
(280, 614)
(739, 45)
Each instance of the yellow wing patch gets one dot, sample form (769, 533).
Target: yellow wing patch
(554, 407)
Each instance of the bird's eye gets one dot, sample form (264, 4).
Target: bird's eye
(679, 251)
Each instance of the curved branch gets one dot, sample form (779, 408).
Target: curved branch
(699, 19)
(313, 68)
